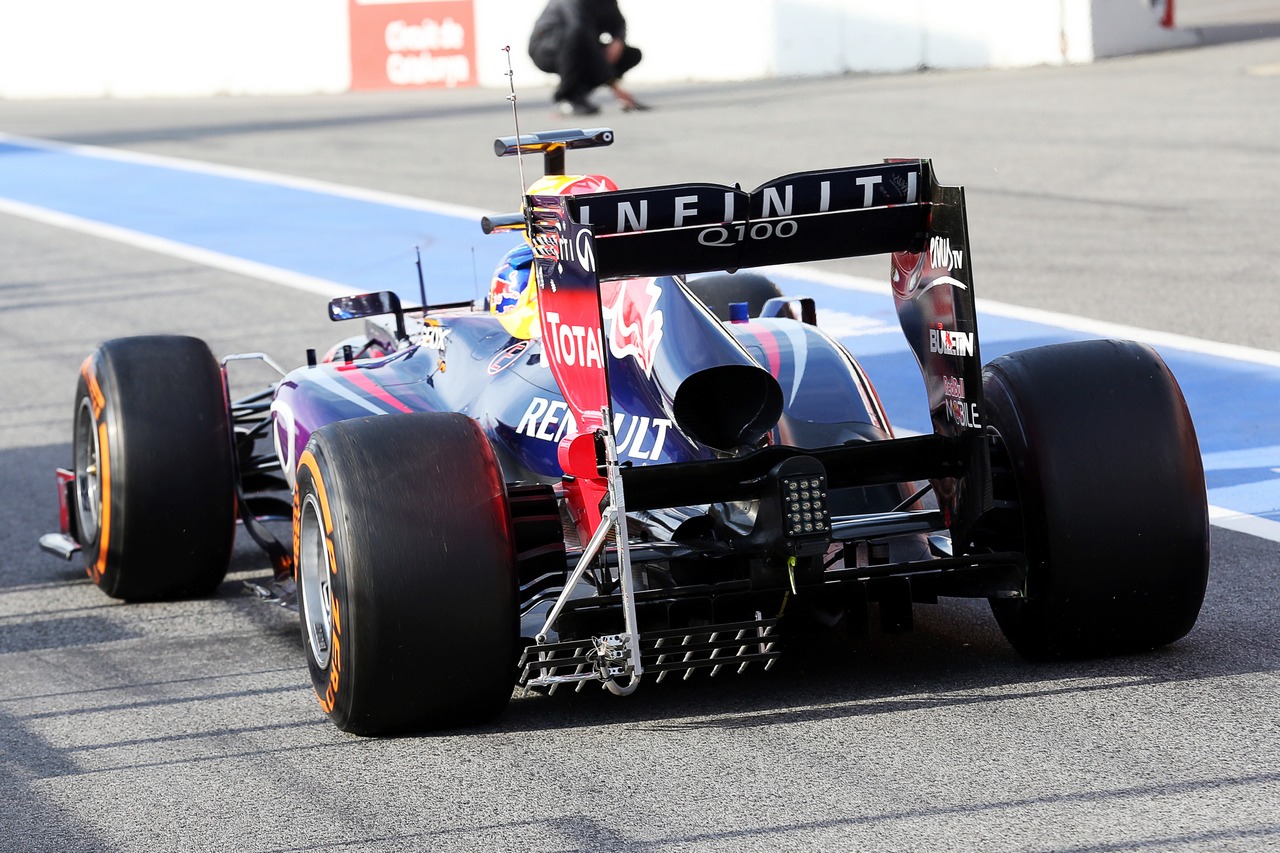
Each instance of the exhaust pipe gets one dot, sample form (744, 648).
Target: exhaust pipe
(728, 406)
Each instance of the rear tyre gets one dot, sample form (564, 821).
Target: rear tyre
(154, 472)
(717, 291)
(1110, 488)
(406, 573)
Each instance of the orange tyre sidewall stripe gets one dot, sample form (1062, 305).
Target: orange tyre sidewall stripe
(308, 462)
(99, 567)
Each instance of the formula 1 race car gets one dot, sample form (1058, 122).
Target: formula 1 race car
(618, 467)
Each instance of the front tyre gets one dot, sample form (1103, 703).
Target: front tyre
(1110, 487)
(154, 488)
(406, 573)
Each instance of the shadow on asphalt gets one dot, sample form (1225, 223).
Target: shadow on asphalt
(890, 675)
(1228, 33)
(956, 656)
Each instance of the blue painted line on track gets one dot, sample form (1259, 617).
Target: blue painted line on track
(368, 244)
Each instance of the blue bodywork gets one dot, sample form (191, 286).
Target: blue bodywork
(466, 362)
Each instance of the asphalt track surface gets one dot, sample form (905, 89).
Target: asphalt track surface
(1137, 191)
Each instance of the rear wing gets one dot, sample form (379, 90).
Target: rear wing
(808, 216)
(895, 208)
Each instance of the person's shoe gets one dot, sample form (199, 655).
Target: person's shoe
(576, 108)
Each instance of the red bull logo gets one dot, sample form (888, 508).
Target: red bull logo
(504, 291)
(635, 321)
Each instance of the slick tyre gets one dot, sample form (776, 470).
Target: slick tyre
(406, 573)
(154, 490)
(1109, 488)
(718, 291)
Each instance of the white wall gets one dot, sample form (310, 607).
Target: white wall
(707, 40)
(139, 48)
(134, 48)
(704, 40)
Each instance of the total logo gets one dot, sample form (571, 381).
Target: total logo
(947, 342)
(573, 345)
(639, 437)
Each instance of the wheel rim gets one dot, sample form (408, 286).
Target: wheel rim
(88, 475)
(314, 572)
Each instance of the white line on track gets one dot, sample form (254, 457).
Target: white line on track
(1219, 516)
(1229, 519)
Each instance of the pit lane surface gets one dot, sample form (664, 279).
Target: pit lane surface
(187, 725)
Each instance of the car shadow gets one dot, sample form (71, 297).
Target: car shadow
(955, 656)
(929, 669)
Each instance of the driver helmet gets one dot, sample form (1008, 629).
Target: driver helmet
(511, 299)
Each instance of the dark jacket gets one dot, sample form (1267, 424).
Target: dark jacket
(574, 27)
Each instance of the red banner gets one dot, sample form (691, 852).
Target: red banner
(427, 44)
